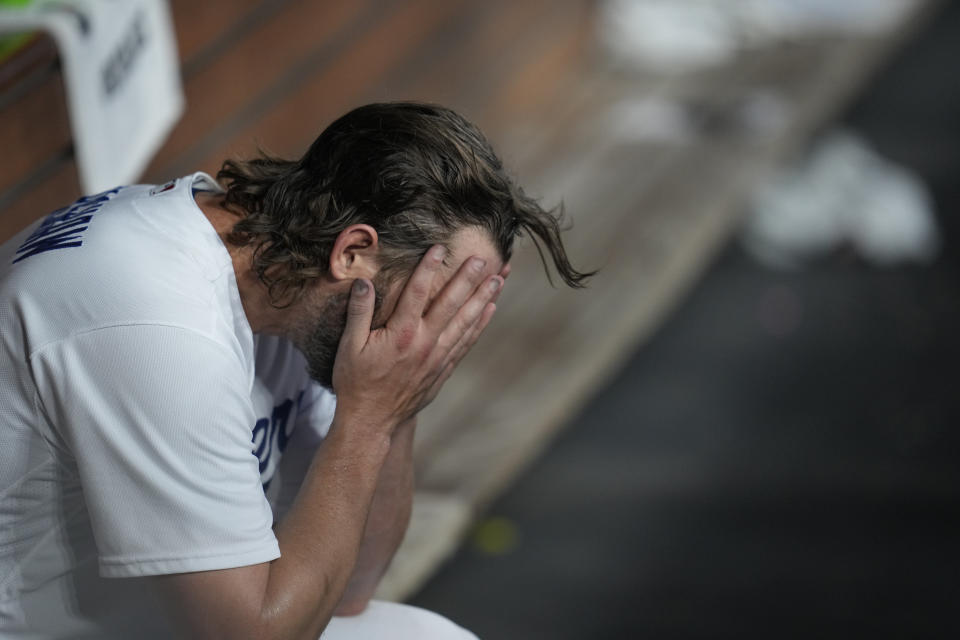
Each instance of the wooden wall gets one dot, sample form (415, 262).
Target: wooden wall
(273, 73)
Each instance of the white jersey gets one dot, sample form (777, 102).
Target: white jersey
(141, 421)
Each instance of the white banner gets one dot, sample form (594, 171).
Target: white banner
(122, 77)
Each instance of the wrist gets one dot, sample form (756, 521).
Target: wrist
(360, 435)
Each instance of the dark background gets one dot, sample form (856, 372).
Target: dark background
(742, 478)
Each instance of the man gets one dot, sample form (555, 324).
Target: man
(172, 460)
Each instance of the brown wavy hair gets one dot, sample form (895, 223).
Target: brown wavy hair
(416, 173)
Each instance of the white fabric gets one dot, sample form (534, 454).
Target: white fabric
(393, 621)
(122, 78)
(679, 36)
(843, 193)
(140, 419)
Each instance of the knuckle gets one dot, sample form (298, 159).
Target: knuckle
(406, 336)
(356, 309)
(445, 343)
(473, 310)
(424, 351)
(417, 290)
(475, 266)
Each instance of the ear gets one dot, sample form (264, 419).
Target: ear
(355, 253)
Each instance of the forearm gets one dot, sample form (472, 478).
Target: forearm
(320, 537)
(295, 595)
(386, 523)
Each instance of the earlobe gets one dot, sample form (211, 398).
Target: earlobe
(355, 253)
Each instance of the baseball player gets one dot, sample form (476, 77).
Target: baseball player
(173, 459)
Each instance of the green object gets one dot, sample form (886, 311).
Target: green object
(11, 44)
(495, 536)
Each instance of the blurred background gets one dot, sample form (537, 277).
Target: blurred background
(745, 425)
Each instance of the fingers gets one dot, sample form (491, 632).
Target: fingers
(416, 293)
(359, 316)
(472, 334)
(455, 294)
(468, 316)
(462, 348)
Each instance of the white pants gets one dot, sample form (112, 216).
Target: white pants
(393, 621)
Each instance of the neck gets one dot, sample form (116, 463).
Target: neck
(262, 316)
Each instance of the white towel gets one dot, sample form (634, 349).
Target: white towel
(122, 77)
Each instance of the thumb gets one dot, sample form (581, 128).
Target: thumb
(359, 316)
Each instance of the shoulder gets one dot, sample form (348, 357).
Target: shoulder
(125, 256)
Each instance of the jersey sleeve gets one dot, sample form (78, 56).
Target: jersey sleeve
(158, 420)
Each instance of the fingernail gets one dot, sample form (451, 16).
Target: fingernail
(360, 286)
(477, 263)
(495, 284)
(439, 251)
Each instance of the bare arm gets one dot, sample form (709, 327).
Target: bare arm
(291, 597)
(383, 378)
(386, 524)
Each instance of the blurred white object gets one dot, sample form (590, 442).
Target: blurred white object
(763, 112)
(649, 119)
(122, 77)
(843, 193)
(667, 35)
(799, 17)
(676, 36)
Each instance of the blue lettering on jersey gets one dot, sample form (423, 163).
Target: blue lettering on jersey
(64, 227)
(271, 434)
(121, 61)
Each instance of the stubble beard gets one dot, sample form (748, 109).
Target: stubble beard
(320, 341)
